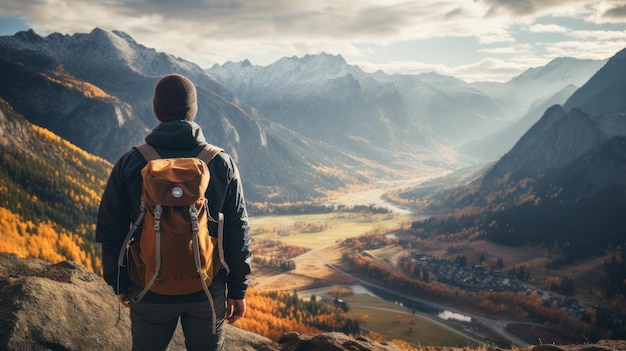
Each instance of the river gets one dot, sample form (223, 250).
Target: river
(375, 198)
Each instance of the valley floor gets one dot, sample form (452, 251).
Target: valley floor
(321, 267)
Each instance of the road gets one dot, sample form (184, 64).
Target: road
(496, 326)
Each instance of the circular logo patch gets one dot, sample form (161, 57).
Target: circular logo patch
(177, 191)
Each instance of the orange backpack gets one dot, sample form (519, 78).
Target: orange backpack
(175, 255)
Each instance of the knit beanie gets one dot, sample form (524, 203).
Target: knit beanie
(174, 99)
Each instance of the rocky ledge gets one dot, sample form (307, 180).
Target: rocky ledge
(64, 307)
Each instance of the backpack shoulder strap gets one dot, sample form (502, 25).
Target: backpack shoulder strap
(209, 152)
(148, 152)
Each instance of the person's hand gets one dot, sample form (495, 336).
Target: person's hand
(235, 309)
(123, 299)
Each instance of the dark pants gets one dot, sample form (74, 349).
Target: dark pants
(153, 324)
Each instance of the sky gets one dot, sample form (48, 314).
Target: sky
(474, 40)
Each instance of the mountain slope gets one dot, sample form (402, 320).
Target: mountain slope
(579, 205)
(604, 92)
(49, 193)
(555, 140)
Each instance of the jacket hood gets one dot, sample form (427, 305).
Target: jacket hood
(176, 135)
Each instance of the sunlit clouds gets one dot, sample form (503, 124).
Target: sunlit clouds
(500, 38)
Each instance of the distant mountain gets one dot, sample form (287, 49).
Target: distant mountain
(392, 111)
(450, 107)
(538, 84)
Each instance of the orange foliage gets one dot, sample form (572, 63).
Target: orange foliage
(88, 89)
(271, 314)
(56, 140)
(42, 240)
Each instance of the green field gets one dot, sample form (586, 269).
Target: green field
(320, 230)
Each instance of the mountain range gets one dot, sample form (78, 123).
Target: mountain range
(432, 107)
(297, 128)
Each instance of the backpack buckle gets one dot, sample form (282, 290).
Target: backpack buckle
(193, 211)
(157, 218)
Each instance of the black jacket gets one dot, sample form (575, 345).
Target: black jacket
(122, 196)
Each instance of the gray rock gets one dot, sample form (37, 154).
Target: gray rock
(64, 306)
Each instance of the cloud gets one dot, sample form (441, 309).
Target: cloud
(281, 20)
(523, 7)
(216, 31)
(547, 28)
(527, 7)
(516, 49)
(589, 44)
(224, 28)
(599, 35)
(489, 69)
(617, 12)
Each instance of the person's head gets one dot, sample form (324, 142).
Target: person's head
(174, 99)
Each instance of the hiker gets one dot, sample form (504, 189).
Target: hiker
(154, 315)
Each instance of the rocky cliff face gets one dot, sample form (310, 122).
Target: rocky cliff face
(63, 306)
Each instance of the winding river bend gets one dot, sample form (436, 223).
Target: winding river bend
(375, 198)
